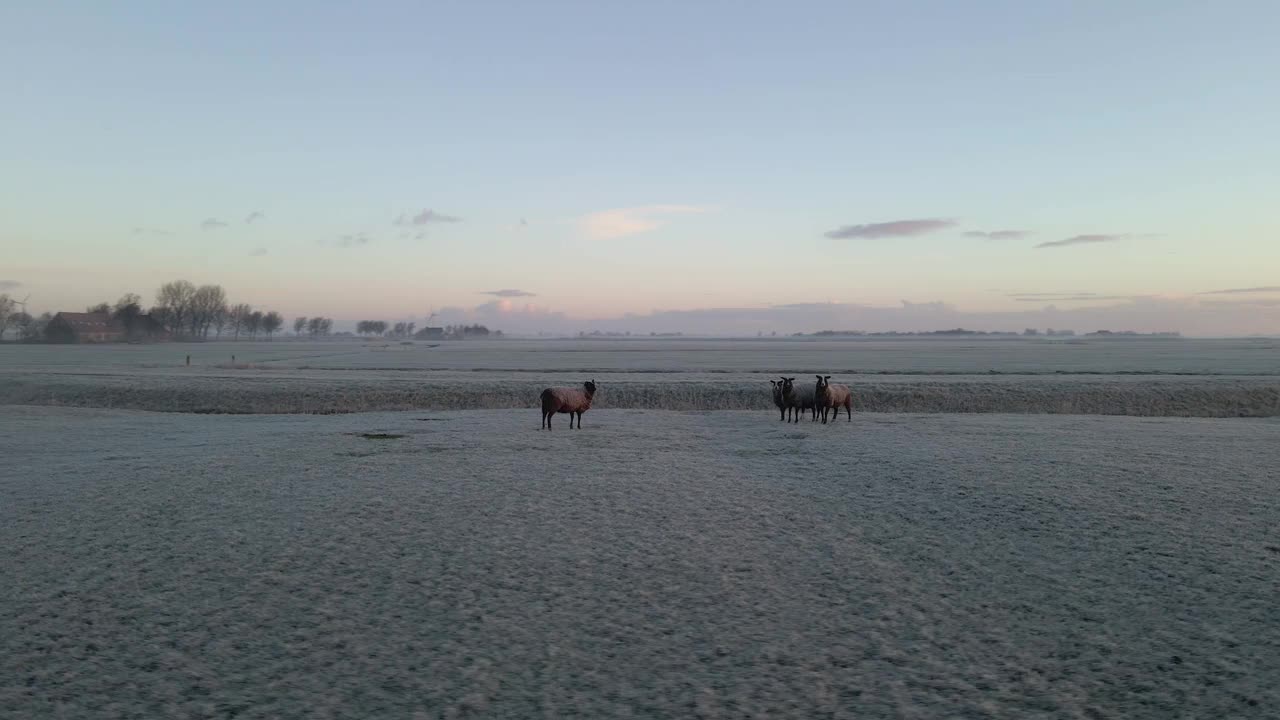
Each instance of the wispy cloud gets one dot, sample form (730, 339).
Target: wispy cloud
(1081, 240)
(896, 228)
(150, 231)
(1250, 302)
(347, 241)
(999, 234)
(425, 217)
(1045, 294)
(10, 284)
(508, 293)
(1079, 297)
(212, 224)
(1244, 291)
(258, 252)
(621, 222)
(255, 215)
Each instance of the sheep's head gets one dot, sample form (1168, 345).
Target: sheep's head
(824, 382)
(788, 384)
(590, 386)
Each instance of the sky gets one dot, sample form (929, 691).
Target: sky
(712, 167)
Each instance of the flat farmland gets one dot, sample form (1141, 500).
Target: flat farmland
(1176, 377)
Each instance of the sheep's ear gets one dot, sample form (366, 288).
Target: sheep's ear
(826, 377)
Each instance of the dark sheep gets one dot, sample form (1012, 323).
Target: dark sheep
(798, 399)
(778, 401)
(567, 400)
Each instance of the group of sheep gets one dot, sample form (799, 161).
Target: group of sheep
(819, 399)
(792, 400)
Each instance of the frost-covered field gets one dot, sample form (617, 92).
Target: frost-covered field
(1205, 378)
(653, 564)
(1247, 356)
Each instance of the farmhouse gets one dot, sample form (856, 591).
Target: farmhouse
(71, 327)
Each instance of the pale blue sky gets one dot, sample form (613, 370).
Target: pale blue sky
(733, 135)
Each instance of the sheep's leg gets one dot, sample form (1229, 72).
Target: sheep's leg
(579, 420)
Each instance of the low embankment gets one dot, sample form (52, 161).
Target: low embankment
(1094, 395)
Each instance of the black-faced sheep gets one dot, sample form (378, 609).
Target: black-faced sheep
(567, 400)
(777, 399)
(799, 398)
(832, 397)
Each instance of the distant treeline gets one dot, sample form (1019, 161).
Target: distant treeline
(605, 333)
(961, 332)
(380, 328)
(895, 333)
(182, 311)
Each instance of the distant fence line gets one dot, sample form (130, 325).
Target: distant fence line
(1156, 397)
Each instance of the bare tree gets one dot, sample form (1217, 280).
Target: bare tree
(314, 325)
(253, 323)
(7, 312)
(100, 308)
(221, 319)
(128, 312)
(174, 299)
(271, 322)
(299, 324)
(237, 317)
(326, 326)
(207, 302)
(24, 324)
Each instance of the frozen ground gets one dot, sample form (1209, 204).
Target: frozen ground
(653, 564)
(1188, 378)
(1240, 356)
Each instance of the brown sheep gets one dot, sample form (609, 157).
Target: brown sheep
(567, 400)
(831, 397)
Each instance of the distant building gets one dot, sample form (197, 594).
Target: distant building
(70, 327)
(431, 333)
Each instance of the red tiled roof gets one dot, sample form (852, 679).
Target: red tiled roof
(89, 323)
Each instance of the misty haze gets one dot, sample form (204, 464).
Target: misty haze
(674, 360)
